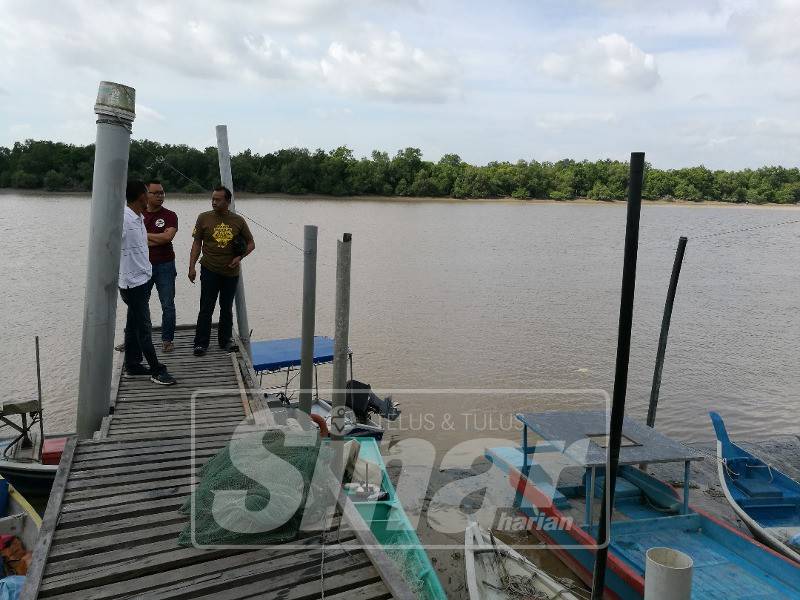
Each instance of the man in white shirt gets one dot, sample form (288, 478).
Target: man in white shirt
(135, 272)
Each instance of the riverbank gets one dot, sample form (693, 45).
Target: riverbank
(433, 199)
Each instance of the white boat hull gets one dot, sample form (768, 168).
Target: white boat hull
(489, 561)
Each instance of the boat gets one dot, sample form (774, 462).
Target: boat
(31, 467)
(559, 504)
(376, 501)
(19, 528)
(495, 571)
(29, 458)
(282, 356)
(766, 500)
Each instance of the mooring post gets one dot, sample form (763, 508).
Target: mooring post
(309, 307)
(621, 374)
(116, 110)
(224, 157)
(342, 330)
(662, 340)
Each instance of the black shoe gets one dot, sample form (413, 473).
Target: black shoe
(199, 351)
(163, 378)
(229, 346)
(133, 370)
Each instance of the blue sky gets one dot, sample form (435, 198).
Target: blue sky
(714, 82)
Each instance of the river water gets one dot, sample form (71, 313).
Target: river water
(476, 304)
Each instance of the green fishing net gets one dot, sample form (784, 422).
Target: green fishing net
(255, 491)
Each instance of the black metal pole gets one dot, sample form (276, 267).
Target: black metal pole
(662, 340)
(621, 374)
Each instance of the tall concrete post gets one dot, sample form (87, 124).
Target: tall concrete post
(116, 110)
(342, 331)
(226, 176)
(309, 308)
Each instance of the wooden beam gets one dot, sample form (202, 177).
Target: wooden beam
(33, 579)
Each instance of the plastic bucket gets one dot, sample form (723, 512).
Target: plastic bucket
(668, 575)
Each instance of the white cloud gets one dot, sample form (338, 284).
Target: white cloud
(268, 42)
(769, 29)
(565, 120)
(145, 112)
(389, 68)
(773, 127)
(609, 59)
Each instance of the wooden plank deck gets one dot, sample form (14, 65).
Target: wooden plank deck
(112, 522)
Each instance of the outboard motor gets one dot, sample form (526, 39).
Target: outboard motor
(362, 400)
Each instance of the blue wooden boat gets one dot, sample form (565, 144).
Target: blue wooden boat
(559, 502)
(766, 500)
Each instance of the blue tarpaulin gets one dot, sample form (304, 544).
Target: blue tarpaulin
(273, 355)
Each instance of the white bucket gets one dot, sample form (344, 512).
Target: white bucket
(668, 575)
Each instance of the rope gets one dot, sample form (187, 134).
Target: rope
(524, 587)
(159, 159)
(719, 233)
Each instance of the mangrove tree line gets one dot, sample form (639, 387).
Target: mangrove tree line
(55, 166)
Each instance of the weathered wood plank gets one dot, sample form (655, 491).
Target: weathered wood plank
(174, 427)
(119, 523)
(118, 498)
(33, 580)
(159, 463)
(282, 580)
(165, 436)
(342, 574)
(145, 559)
(109, 483)
(114, 448)
(372, 591)
(101, 545)
(152, 484)
(88, 513)
(264, 561)
(145, 455)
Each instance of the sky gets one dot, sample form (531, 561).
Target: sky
(689, 82)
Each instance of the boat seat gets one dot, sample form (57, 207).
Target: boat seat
(20, 407)
(757, 488)
(623, 489)
(511, 458)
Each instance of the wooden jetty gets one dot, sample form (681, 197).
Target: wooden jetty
(112, 523)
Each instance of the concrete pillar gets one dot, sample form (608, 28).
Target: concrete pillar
(115, 109)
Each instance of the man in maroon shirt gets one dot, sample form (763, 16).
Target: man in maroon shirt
(162, 225)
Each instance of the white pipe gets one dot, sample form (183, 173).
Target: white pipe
(115, 109)
(668, 575)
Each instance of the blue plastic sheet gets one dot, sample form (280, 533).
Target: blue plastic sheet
(273, 355)
(11, 587)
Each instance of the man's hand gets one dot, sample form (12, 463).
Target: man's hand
(235, 262)
(192, 273)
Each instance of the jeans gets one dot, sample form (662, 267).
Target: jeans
(164, 279)
(138, 331)
(213, 285)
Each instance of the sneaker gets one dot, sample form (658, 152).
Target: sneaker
(168, 346)
(134, 370)
(120, 347)
(229, 346)
(163, 378)
(199, 351)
